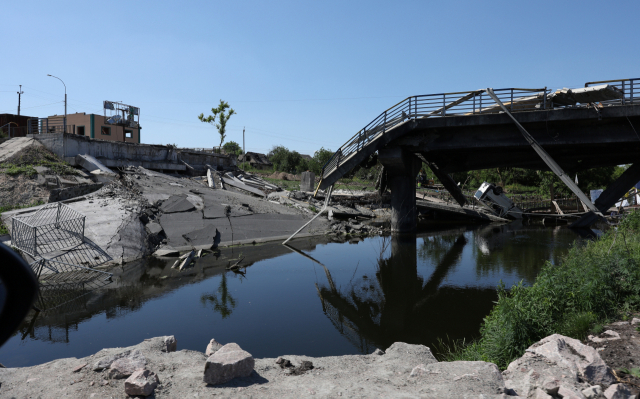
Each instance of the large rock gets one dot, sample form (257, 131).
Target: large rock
(227, 363)
(106, 361)
(125, 366)
(459, 379)
(571, 353)
(532, 376)
(170, 344)
(617, 391)
(141, 383)
(213, 347)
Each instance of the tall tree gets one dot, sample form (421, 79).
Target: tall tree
(223, 117)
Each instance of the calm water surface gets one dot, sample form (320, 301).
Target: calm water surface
(333, 298)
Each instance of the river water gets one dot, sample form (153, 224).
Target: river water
(321, 297)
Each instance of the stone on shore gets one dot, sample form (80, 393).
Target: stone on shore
(477, 377)
(213, 347)
(227, 363)
(592, 392)
(617, 391)
(170, 344)
(107, 361)
(579, 358)
(124, 367)
(141, 383)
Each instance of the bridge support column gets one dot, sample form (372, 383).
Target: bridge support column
(609, 196)
(402, 168)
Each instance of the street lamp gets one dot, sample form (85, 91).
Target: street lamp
(65, 102)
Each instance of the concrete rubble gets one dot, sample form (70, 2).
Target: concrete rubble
(556, 367)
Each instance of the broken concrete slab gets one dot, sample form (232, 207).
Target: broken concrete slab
(207, 235)
(166, 251)
(214, 209)
(177, 203)
(153, 228)
(43, 170)
(91, 164)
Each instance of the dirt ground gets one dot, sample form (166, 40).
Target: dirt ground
(21, 190)
(622, 355)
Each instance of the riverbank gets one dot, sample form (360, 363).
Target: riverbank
(555, 367)
(594, 284)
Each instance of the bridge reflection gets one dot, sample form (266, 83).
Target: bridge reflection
(400, 304)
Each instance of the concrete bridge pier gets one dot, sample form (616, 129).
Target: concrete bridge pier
(402, 168)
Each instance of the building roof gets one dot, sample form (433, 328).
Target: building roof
(255, 157)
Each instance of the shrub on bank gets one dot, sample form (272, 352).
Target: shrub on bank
(595, 282)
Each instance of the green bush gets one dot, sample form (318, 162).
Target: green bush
(595, 282)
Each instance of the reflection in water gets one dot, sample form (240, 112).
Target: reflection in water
(373, 292)
(401, 305)
(225, 304)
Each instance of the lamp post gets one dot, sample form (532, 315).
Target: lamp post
(65, 102)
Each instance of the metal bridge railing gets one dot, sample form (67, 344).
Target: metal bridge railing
(434, 106)
(630, 89)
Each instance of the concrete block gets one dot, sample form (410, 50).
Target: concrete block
(41, 169)
(307, 182)
(91, 164)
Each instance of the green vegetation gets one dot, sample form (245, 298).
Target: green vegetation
(36, 156)
(231, 147)
(223, 118)
(533, 181)
(7, 208)
(284, 160)
(635, 372)
(596, 282)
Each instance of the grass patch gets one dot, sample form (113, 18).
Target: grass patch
(7, 208)
(25, 160)
(595, 282)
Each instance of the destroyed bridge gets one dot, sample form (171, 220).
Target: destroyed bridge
(565, 131)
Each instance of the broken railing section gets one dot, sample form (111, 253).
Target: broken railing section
(553, 165)
(52, 238)
(610, 196)
(324, 208)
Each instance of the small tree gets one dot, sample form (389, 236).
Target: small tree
(231, 147)
(222, 120)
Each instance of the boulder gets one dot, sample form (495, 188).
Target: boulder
(617, 391)
(170, 344)
(141, 383)
(227, 363)
(213, 347)
(124, 367)
(571, 353)
(106, 361)
(566, 392)
(592, 392)
(459, 379)
(635, 321)
(541, 394)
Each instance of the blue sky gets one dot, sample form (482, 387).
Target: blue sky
(304, 74)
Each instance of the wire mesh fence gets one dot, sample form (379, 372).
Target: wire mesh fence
(53, 227)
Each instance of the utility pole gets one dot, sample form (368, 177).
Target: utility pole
(244, 154)
(19, 94)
